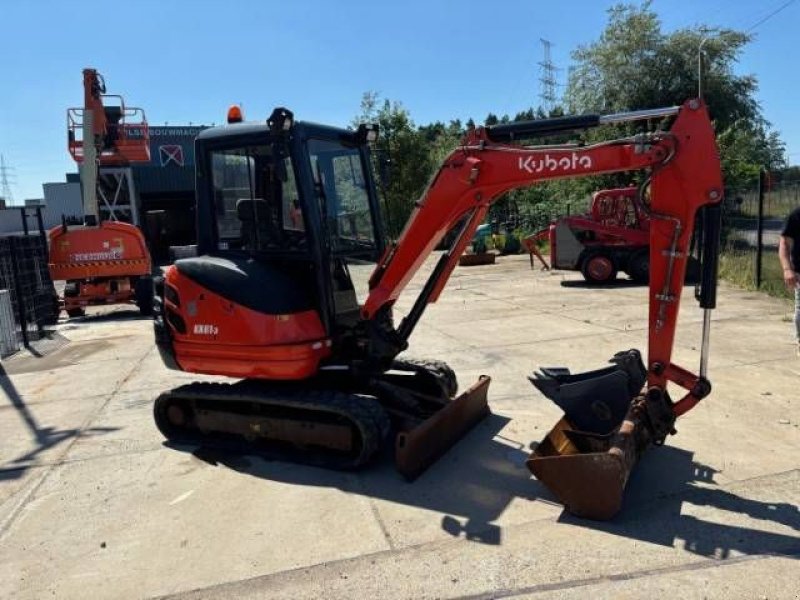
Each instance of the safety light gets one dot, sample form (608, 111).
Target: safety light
(235, 114)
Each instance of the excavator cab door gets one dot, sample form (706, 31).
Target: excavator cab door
(301, 201)
(346, 199)
(349, 220)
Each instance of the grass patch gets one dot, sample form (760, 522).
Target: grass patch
(739, 268)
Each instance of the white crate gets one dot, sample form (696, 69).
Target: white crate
(8, 327)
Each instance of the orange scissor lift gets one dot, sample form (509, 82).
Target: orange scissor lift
(103, 262)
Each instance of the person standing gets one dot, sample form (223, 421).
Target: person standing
(789, 255)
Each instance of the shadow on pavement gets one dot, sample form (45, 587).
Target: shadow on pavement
(113, 315)
(474, 483)
(617, 283)
(471, 485)
(43, 437)
(661, 488)
(65, 356)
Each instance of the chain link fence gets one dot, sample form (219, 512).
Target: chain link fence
(752, 221)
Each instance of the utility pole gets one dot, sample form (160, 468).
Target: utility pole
(547, 78)
(5, 185)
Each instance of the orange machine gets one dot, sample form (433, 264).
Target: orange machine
(105, 263)
(269, 298)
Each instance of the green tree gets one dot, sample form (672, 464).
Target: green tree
(402, 157)
(634, 65)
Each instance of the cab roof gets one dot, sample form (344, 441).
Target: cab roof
(305, 128)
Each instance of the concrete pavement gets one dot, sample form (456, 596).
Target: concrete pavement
(92, 505)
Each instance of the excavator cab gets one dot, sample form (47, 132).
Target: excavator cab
(280, 218)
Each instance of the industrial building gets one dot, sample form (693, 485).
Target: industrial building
(163, 189)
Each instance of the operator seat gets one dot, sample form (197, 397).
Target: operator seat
(256, 232)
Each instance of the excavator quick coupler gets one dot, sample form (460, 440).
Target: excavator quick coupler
(608, 423)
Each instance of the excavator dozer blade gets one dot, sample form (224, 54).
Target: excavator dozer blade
(416, 449)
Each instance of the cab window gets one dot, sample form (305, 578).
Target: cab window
(256, 201)
(343, 197)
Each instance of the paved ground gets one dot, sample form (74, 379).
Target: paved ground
(92, 505)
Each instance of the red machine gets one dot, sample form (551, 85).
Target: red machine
(613, 236)
(105, 263)
(271, 299)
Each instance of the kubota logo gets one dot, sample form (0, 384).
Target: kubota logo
(548, 163)
(205, 329)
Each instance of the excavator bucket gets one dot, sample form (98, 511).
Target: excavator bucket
(589, 454)
(418, 447)
(590, 484)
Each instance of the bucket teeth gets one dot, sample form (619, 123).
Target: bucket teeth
(595, 401)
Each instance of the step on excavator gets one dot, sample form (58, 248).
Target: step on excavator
(285, 208)
(104, 262)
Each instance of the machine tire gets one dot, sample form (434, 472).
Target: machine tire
(76, 312)
(598, 267)
(439, 368)
(72, 289)
(639, 266)
(143, 293)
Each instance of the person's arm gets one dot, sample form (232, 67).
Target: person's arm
(784, 254)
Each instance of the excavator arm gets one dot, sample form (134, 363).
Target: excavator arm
(685, 175)
(586, 469)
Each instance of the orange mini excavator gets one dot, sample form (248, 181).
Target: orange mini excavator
(105, 262)
(285, 208)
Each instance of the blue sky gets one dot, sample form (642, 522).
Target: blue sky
(187, 61)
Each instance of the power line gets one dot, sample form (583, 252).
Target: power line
(770, 15)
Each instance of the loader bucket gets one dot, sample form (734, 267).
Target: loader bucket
(587, 467)
(416, 449)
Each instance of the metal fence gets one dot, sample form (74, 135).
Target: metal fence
(8, 326)
(25, 274)
(752, 221)
(536, 217)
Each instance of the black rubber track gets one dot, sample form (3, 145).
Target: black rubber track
(363, 413)
(440, 369)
